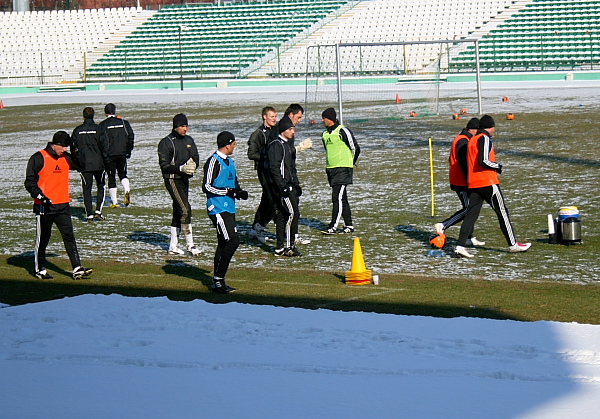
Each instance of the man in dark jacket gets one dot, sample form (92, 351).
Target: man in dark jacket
(90, 146)
(342, 152)
(257, 152)
(120, 143)
(47, 181)
(178, 159)
(285, 188)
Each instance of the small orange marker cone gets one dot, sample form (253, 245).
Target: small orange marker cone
(1, 105)
(358, 273)
(510, 116)
(397, 98)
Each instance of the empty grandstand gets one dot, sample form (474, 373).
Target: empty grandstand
(265, 39)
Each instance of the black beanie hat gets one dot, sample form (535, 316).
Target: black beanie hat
(225, 138)
(486, 121)
(473, 124)
(61, 138)
(179, 120)
(330, 114)
(110, 109)
(285, 123)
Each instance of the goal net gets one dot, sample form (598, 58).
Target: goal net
(391, 80)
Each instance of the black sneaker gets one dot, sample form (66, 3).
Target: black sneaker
(98, 216)
(90, 219)
(220, 287)
(348, 230)
(43, 274)
(329, 230)
(278, 252)
(79, 272)
(291, 252)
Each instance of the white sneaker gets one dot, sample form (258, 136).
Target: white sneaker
(519, 247)
(301, 240)
(193, 250)
(461, 252)
(439, 228)
(474, 242)
(176, 251)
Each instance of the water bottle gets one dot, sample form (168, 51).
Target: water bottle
(436, 253)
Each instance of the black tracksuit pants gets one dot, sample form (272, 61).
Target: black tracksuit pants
(44, 232)
(182, 210)
(267, 208)
(228, 242)
(87, 179)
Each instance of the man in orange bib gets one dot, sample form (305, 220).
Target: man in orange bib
(483, 186)
(47, 181)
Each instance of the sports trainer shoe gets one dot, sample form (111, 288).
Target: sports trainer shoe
(220, 287)
(79, 272)
(461, 252)
(439, 228)
(291, 252)
(127, 199)
(43, 274)
(98, 216)
(90, 219)
(474, 242)
(193, 250)
(301, 240)
(519, 247)
(348, 230)
(115, 206)
(278, 252)
(176, 251)
(329, 230)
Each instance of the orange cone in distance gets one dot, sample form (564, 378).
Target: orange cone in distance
(1, 105)
(397, 98)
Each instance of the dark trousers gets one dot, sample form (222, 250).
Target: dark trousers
(44, 232)
(228, 242)
(286, 219)
(493, 196)
(267, 208)
(458, 216)
(118, 166)
(341, 207)
(87, 179)
(182, 210)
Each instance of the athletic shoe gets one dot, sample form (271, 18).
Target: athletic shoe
(98, 216)
(90, 219)
(279, 252)
(519, 247)
(330, 230)
(176, 251)
(474, 242)
(439, 228)
(114, 205)
(79, 272)
(291, 252)
(461, 252)
(348, 230)
(43, 274)
(220, 287)
(193, 250)
(301, 240)
(127, 199)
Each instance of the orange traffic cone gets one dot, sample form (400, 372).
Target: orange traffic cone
(1, 105)
(358, 273)
(397, 98)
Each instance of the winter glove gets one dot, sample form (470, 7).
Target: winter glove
(499, 169)
(298, 190)
(241, 194)
(189, 168)
(128, 155)
(285, 191)
(46, 203)
(231, 193)
(304, 145)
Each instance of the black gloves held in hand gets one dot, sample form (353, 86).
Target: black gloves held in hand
(237, 194)
(298, 190)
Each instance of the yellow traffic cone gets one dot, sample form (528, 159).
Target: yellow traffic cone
(358, 273)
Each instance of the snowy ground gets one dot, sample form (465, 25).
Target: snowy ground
(118, 357)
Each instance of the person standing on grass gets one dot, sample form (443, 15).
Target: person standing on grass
(178, 159)
(222, 188)
(458, 172)
(286, 189)
(342, 152)
(47, 181)
(257, 152)
(120, 144)
(90, 146)
(484, 185)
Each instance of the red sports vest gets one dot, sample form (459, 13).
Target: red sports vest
(54, 179)
(457, 177)
(480, 177)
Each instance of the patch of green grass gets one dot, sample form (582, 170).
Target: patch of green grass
(397, 294)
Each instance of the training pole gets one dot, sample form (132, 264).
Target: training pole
(431, 176)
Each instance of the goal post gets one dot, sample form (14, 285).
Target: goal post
(420, 78)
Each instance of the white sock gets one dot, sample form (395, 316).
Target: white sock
(125, 182)
(174, 237)
(187, 229)
(113, 195)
